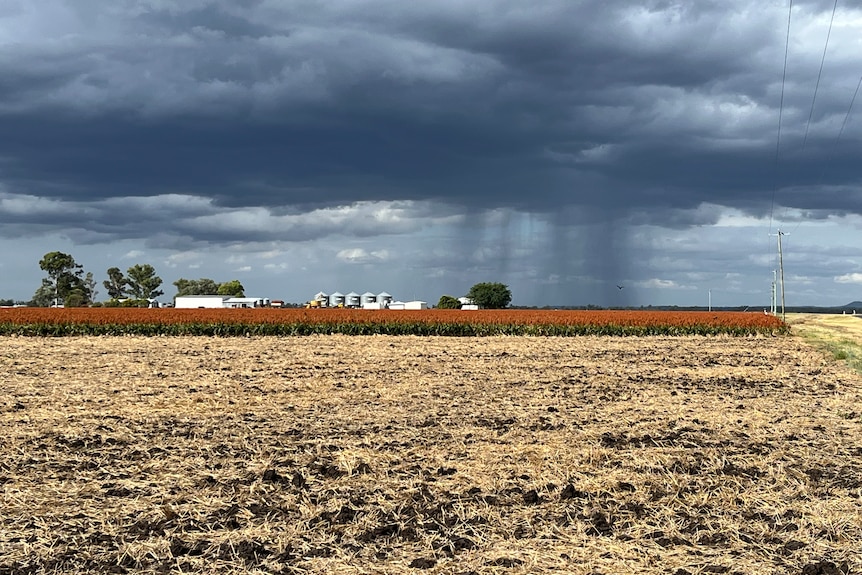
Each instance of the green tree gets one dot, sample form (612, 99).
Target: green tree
(448, 302)
(90, 286)
(44, 296)
(203, 286)
(115, 284)
(143, 282)
(64, 274)
(232, 288)
(489, 295)
(76, 298)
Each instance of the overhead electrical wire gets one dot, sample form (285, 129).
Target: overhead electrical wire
(850, 109)
(819, 74)
(838, 138)
(807, 127)
(780, 114)
(814, 97)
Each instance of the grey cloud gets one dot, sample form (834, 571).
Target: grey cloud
(248, 102)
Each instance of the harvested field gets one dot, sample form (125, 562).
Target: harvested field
(337, 454)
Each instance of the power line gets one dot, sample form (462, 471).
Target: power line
(847, 116)
(780, 114)
(837, 139)
(819, 74)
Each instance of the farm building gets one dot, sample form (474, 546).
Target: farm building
(367, 300)
(199, 301)
(219, 301)
(352, 299)
(241, 302)
(384, 298)
(467, 303)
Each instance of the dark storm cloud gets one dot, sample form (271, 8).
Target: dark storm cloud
(648, 107)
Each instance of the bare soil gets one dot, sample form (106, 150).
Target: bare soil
(339, 454)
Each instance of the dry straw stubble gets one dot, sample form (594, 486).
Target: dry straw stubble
(332, 454)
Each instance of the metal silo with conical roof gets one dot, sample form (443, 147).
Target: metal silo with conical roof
(352, 299)
(384, 299)
(336, 298)
(368, 298)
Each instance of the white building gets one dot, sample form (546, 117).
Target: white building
(218, 302)
(242, 302)
(199, 301)
(467, 303)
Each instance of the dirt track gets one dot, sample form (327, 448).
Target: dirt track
(380, 454)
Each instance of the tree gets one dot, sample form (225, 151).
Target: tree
(143, 282)
(76, 298)
(448, 302)
(490, 295)
(115, 284)
(203, 286)
(90, 286)
(44, 296)
(64, 274)
(232, 288)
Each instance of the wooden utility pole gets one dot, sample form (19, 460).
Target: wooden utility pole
(781, 274)
(773, 306)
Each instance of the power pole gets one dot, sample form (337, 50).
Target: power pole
(781, 274)
(773, 306)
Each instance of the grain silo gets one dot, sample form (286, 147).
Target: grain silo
(384, 299)
(368, 298)
(352, 299)
(336, 299)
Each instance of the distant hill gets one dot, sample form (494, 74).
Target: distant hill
(857, 304)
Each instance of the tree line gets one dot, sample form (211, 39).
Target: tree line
(486, 295)
(68, 285)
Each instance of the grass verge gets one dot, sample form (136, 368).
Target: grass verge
(838, 335)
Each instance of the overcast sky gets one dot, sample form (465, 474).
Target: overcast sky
(562, 147)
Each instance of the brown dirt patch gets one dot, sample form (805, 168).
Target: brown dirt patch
(438, 455)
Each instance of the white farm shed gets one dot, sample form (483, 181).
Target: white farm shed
(416, 305)
(199, 301)
(241, 302)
